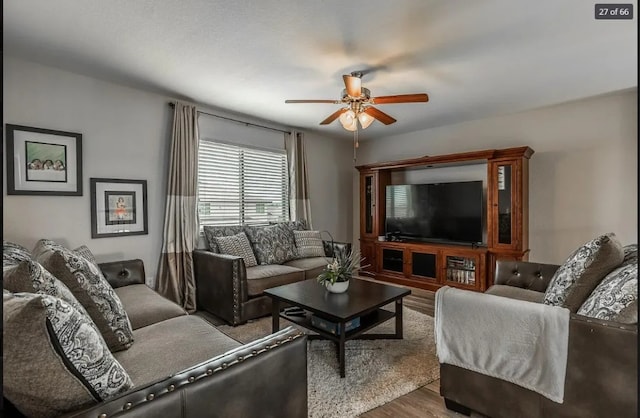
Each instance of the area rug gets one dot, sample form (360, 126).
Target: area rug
(377, 371)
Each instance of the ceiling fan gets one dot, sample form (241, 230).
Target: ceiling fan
(359, 104)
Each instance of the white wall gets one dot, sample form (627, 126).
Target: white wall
(126, 133)
(583, 175)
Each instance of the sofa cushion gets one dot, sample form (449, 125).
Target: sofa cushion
(239, 246)
(299, 225)
(54, 358)
(614, 295)
(145, 306)
(309, 244)
(273, 244)
(212, 232)
(167, 347)
(312, 266)
(516, 293)
(574, 280)
(264, 277)
(85, 280)
(29, 276)
(13, 254)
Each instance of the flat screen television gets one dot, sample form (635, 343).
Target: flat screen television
(442, 212)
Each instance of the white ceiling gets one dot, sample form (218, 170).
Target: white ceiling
(474, 58)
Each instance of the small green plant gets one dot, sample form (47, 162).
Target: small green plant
(341, 268)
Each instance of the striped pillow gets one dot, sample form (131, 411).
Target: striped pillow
(239, 246)
(309, 244)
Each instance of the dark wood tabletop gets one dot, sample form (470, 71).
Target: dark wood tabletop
(362, 296)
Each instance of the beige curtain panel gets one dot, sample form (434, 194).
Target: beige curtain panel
(175, 271)
(299, 203)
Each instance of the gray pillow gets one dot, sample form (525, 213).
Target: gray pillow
(576, 278)
(309, 244)
(88, 285)
(213, 232)
(615, 297)
(239, 246)
(54, 359)
(85, 252)
(273, 244)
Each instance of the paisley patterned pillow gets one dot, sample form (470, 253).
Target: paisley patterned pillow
(213, 232)
(85, 252)
(88, 285)
(13, 254)
(39, 331)
(614, 295)
(29, 276)
(273, 244)
(574, 281)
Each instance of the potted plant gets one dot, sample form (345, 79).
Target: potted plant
(337, 274)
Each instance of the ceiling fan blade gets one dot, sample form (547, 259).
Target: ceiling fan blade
(353, 85)
(380, 115)
(312, 101)
(335, 115)
(401, 98)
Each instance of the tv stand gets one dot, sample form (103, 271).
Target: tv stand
(431, 265)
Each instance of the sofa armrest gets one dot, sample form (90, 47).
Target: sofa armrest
(524, 274)
(337, 248)
(123, 273)
(221, 284)
(265, 378)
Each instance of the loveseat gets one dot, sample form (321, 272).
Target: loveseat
(230, 288)
(600, 379)
(180, 365)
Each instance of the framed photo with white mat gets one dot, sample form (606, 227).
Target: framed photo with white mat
(118, 207)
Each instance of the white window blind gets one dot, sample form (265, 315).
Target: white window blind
(241, 186)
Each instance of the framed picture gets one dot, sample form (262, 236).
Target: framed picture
(43, 161)
(118, 207)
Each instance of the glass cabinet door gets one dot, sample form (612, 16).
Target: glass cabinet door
(505, 192)
(369, 204)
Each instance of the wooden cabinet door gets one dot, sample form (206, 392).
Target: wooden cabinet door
(368, 196)
(368, 252)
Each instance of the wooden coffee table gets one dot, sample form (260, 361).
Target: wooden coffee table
(364, 299)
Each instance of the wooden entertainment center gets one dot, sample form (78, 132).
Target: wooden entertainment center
(430, 265)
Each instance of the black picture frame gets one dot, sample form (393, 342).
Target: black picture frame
(118, 207)
(43, 162)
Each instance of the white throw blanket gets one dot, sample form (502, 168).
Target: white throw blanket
(524, 343)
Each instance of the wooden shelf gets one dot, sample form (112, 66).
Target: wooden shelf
(367, 322)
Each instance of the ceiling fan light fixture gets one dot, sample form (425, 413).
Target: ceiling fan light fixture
(365, 120)
(349, 121)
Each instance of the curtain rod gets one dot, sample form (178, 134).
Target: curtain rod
(238, 121)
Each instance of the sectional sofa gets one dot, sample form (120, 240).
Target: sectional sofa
(176, 364)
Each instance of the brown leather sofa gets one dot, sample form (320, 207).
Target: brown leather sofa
(182, 366)
(602, 365)
(233, 292)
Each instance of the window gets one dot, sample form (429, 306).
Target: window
(241, 186)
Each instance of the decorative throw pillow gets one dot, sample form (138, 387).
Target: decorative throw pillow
(309, 244)
(88, 285)
(13, 254)
(85, 252)
(54, 359)
(574, 281)
(299, 225)
(615, 293)
(213, 232)
(273, 244)
(630, 254)
(239, 246)
(29, 276)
